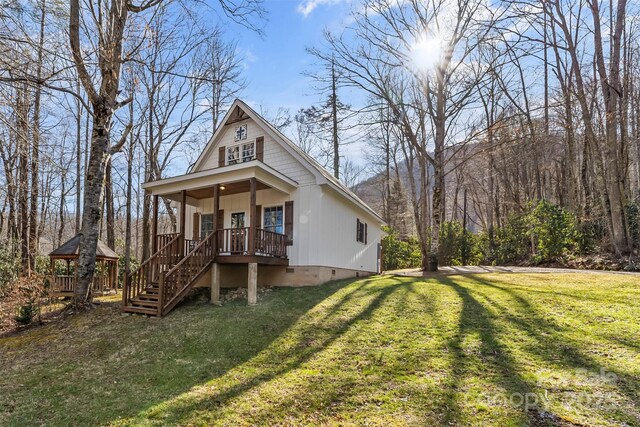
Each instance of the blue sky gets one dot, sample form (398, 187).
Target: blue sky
(276, 61)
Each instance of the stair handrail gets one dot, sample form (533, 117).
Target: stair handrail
(164, 308)
(126, 290)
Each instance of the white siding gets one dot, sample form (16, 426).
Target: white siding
(279, 159)
(337, 245)
(274, 154)
(324, 230)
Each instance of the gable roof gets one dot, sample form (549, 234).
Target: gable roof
(69, 249)
(321, 174)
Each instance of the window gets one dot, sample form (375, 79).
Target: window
(248, 152)
(361, 231)
(274, 219)
(241, 133)
(241, 153)
(206, 225)
(233, 155)
(237, 220)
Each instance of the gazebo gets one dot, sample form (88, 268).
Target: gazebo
(105, 278)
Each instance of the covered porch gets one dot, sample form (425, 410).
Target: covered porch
(246, 210)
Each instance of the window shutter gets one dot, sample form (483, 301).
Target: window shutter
(258, 217)
(288, 221)
(221, 156)
(260, 148)
(357, 229)
(220, 219)
(366, 232)
(218, 225)
(196, 226)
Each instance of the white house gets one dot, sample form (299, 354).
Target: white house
(254, 210)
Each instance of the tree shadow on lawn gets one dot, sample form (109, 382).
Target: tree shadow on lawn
(314, 332)
(115, 366)
(550, 344)
(500, 367)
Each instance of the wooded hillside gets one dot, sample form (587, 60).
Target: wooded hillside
(519, 121)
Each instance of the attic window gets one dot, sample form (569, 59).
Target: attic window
(241, 153)
(241, 133)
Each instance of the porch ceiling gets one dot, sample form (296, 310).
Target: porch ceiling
(235, 179)
(231, 188)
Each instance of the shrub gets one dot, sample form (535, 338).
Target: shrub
(27, 312)
(398, 253)
(9, 266)
(458, 246)
(632, 212)
(553, 231)
(43, 264)
(22, 301)
(590, 235)
(510, 242)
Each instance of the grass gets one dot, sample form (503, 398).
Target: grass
(487, 349)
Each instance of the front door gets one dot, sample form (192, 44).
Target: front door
(206, 225)
(238, 232)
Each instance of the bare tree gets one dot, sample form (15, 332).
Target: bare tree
(388, 61)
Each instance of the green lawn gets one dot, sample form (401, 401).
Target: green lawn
(486, 349)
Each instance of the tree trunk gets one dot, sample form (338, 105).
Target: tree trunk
(79, 174)
(334, 117)
(438, 196)
(61, 207)
(35, 149)
(93, 199)
(22, 138)
(110, 210)
(610, 85)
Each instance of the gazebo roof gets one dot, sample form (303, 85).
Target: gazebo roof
(70, 250)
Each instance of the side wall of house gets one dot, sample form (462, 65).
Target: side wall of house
(324, 232)
(337, 245)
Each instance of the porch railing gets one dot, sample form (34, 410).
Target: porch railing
(67, 283)
(149, 271)
(177, 281)
(235, 241)
(163, 239)
(63, 283)
(271, 243)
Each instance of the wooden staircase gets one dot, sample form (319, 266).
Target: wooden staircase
(164, 279)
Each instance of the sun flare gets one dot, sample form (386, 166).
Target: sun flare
(426, 52)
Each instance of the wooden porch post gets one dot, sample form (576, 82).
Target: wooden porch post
(215, 268)
(183, 209)
(183, 217)
(216, 226)
(252, 217)
(154, 233)
(75, 276)
(115, 285)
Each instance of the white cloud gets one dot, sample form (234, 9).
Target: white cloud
(306, 7)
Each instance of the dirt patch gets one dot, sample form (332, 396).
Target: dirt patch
(233, 294)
